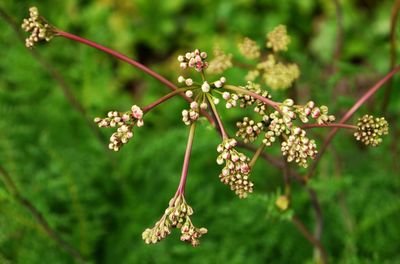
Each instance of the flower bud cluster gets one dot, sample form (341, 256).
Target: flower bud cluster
(177, 215)
(236, 170)
(319, 113)
(39, 28)
(298, 147)
(281, 76)
(370, 130)
(124, 123)
(195, 59)
(249, 129)
(277, 39)
(220, 63)
(231, 99)
(191, 115)
(188, 81)
(247, 100)
(249, 48)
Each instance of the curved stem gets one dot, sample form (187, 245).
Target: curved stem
(253, 94)
(345, 126)
(257, 155)
(217, 117)
(166, 97)
(317, 244)
(393, 49)
(39, 217)
(185, 167)
(130, 61)
(347, 116)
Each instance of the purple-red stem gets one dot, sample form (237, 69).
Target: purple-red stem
(147, 108)
(266, 101)
(185, 167)
(130, 61)
(347, 116)
(334, 125)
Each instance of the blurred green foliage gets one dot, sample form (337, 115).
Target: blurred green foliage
(100, 202)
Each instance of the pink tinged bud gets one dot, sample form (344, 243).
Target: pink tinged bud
(235, 157)
(310, 104)
(191, 62)
(218, 84)
(226, 95)
(245, 168)
(198, 58)
(125, 117)
(129, 134)
(225, 172)
(307, 111)
(225, 155)
(203, 55)
(228, 105)
(315, 113)
(189, 93)
(194, 105)
(223, 79)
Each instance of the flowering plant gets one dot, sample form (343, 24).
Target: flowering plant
(285, 122)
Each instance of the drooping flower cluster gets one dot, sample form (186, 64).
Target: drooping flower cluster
(278, 40)
(220, 62)
(194, 59)
(124, 121)
(177, 215)
(249, 49)
(39, 28)
(370, 130)
(237, 170)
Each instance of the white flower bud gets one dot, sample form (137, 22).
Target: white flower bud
(181, 79)
(189, 93)
(205, 87)
(189, 82)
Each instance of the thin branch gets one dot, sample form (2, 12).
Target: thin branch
(304, 231)
(130, 61)
(333, 125)
(393, 51)
(339, 34)
(217, 117)
(347, 116)
(185, 168)
(62, 84)
(166, 97)
(39, 217)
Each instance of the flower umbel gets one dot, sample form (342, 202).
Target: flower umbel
(39, 28)
(124, 122)
(177, 215)
(236, 170)
(278, 40)
(370, 130)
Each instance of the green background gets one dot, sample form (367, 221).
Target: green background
(100, 202)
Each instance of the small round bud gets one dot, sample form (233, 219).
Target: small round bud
(189, 93)
(205, 87)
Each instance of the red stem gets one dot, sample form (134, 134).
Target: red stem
(147, 108)
(347, 116)
(129, 61)
(335, 125)
(182, 183)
